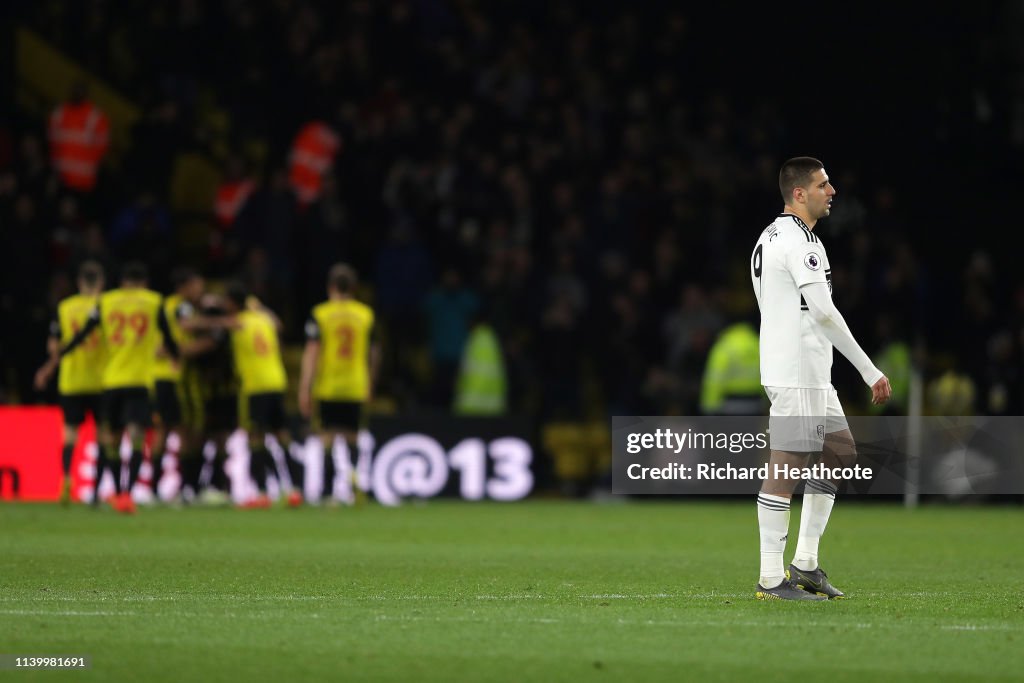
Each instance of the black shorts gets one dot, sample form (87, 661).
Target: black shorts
(168, 403)
(340, 415)
(220, 414)
(266, 411)
(127, 405)
(75, 406)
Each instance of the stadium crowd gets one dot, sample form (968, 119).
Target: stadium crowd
(586, 181)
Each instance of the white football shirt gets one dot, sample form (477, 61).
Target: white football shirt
(794, 352)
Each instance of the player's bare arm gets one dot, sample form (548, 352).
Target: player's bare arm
(310, 356)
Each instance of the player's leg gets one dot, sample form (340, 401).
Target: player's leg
(110, 432)
(206, 425)
(277, 423)
(839, 451)
(331, 424)
(74, 414)
(219, 482)
(139, 417)
(260, 460)
(793, 438)
(295, 467)
(161, 433)
(819, 497)
(224, 421)
(136, 437)
(328, 437)
(94, 407)
(350, 434)
(773, 507)
(191, 467)
(169, 412)
(118, 415)
(296, 471)
(103, 464)
(342, 418)
(189, 431)
(70, 439)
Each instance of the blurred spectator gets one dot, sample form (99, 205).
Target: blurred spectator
(237, 227)
(893, 358)
(687, 333)
(558, 353)
(232, 193)
(141, 231)
(687, 329)
(79, 134)
(67, 232)
(449, 309)
(481, 387)
(952, 393)
(732, 374)
(311, 158)
(1001, 386)
(159, 135)
(92, 247)
(32, 172)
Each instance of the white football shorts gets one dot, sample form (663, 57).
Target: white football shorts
(799, 419)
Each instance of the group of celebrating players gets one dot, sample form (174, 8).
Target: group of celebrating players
(197, 365)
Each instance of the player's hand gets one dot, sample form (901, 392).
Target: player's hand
(881, 391)
(305, 405)
(43, 374)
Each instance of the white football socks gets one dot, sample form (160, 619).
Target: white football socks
(773, 522)
(819, 496)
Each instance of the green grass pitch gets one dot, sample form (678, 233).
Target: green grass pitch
(537, 591)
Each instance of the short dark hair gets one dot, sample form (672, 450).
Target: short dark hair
(90, 273)
(182, 275)
(342, 277)
(135, 271)
(236, 293)
(794, 173)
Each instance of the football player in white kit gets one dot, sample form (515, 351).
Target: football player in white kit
(800, 325)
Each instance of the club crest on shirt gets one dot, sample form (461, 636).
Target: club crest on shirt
(821, 431)
(812, 261)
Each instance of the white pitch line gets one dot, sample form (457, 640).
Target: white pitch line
(65, 613)
(372, 597)
(696, 623)
(978, 627)
(616, 596)
(514, 596)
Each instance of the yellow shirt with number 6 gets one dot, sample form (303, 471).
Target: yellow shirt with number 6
(257, 354)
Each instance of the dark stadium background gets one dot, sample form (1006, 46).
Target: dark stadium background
(610, 161)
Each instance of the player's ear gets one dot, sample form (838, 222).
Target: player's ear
(799, 195)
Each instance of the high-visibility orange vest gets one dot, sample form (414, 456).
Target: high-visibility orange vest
(79, 135)
(312, 155)
(231, 197)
